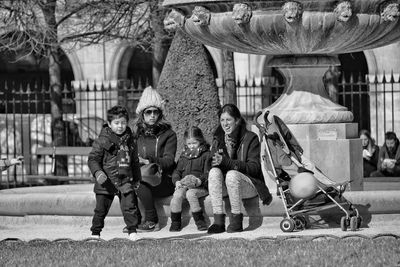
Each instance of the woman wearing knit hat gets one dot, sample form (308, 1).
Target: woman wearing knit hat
(156, 144)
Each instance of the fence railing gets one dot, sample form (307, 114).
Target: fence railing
(25, 119)
(25, 122)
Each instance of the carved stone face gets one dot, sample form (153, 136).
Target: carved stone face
(292, 11)
(201, 16)
(174, 20)
(343, 11)
(241, 13)
(390, 12)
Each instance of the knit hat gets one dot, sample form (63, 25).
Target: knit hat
(150, 98)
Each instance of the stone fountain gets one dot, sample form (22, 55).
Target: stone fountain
(304, 38)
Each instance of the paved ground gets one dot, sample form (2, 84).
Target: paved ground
(77, 228)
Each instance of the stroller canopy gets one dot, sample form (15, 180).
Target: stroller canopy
(288, 138)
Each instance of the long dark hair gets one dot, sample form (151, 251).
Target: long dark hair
(371, 141)
(232, 110)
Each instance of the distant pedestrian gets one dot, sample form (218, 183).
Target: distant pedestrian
(114, 163)
(389, 157)
(370, 153)
(190, 178)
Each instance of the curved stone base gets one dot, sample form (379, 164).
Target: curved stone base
(56, 201)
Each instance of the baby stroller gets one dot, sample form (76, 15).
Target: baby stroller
(284, 161)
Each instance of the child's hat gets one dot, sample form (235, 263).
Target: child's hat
(150, 98)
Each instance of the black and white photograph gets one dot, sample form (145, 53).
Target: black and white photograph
(200, 133)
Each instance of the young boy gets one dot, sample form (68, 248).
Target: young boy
(114, 163)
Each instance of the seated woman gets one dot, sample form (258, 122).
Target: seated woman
(157, 143)
(370, 153)
(236, 169)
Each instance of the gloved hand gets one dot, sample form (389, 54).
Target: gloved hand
(101, 177)
(190, 181)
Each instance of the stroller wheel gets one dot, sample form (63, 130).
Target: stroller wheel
(300, 222)
(344, 222)
(287, 225)
(354, 223)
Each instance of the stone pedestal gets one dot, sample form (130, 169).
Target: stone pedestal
(334, 148)
(305, 98)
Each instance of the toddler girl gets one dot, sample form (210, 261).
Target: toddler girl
(190, 179)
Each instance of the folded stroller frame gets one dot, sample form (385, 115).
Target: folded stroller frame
(328, 190)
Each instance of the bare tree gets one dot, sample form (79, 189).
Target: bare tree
(43, 27)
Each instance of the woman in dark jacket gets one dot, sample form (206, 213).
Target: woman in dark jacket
(236, 170)
(157, 143)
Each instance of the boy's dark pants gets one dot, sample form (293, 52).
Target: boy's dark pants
(129, 208)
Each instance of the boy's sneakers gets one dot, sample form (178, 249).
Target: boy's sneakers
(133, 236)
(125, 230)
(148, 226)
(95, 236)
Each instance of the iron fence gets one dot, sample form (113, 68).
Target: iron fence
(26, 124)
(25, 115)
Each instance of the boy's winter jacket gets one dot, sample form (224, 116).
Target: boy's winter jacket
(110, 154)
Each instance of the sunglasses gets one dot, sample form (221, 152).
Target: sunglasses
(150, 111)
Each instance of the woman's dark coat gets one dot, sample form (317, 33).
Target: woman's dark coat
(159, 147)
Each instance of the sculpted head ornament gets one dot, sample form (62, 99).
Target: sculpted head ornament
(292, 11)
(343, 11)
(174, 20)
(390, 12)
(241, 13)
(201, 16)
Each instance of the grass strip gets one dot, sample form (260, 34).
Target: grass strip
(347, 252)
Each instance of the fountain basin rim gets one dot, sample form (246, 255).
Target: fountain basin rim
(308, 61)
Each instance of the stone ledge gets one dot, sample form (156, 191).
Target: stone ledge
(79, 200)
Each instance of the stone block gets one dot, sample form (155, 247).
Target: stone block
(334, 148)
(340, 160)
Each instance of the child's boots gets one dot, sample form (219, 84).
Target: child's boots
(176, 222)
(199, 220)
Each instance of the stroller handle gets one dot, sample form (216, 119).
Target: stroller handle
(262, 128)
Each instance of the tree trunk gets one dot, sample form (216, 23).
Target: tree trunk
(160, 45)
(229, 82)
(187, 83)
(58, 124)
